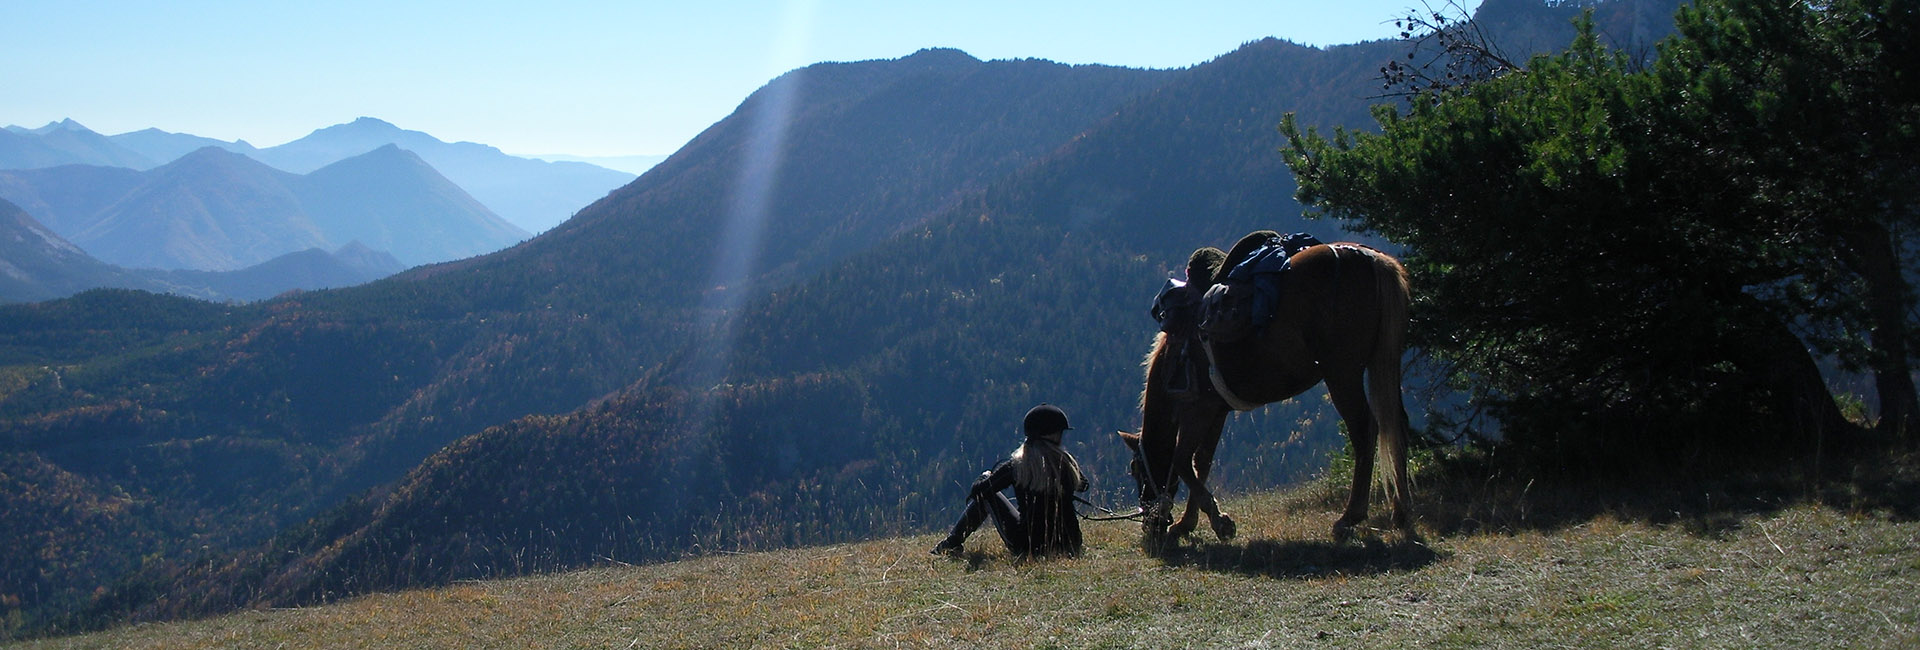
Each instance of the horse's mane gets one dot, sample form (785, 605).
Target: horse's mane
(1153, 354)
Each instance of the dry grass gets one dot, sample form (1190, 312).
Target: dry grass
(1795, 576)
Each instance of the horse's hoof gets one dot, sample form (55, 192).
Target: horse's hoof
(1153, 530)
(1407, 530)
(1225, 528)
(1155, 541)
(1342, 532)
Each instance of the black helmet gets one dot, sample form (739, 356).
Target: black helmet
(1045, 419)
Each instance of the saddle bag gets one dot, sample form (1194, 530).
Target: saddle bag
(1243, 304)
(1228, 309)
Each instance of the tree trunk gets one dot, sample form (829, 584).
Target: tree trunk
(1788, 371)
(1888, 301)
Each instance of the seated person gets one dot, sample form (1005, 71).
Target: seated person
(1043, 477)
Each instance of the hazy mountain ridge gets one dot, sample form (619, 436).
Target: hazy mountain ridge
(218, 210)
(64, 143)
(636, 165)
(211, 210)
(307, 270)
(37, 264)
(532, 194)
(68, 198)
(165, 147)
(390, 199)
(1024, 281)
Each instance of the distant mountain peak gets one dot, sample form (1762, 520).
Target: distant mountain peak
(389, 158)
(354, 247)
(941, 55)
(364, 129)
(67, 124)
(390, 149)
(364, 122)
(210, 154)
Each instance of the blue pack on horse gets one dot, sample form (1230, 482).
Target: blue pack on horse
(1338, 316)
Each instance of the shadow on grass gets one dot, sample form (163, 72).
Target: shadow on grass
(1301, 559)
(1464, 497)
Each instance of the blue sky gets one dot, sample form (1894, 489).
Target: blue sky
(558, 76)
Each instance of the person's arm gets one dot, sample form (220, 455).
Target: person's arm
(1085, 483)
(994, 480)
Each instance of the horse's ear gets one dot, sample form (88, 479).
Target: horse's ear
(1132, 439)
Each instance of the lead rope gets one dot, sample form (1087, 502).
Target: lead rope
(1109, 515)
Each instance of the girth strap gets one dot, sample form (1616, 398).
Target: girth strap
(1220, 383)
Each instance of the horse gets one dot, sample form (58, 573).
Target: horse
(1342, 321)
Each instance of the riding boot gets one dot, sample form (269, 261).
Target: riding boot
(976, 513)
(952, 545)
(1182, 379)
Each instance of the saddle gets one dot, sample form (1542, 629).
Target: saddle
(1239, 305)
(1242, 303)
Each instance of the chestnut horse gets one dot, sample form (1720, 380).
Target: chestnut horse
(1341, 320)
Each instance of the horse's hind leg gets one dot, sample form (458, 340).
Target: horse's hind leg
(1350, 398)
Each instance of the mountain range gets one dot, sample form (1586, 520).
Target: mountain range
(37, 264)
(635, 165)
(197, 215)
(63, 143)
(531, 194)
(932, 245)
(217, 210)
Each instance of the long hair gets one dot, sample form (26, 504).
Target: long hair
(1041, 465)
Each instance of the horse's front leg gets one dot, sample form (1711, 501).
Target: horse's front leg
(1223, 525)
(1189, 519)
(1199, 439)
(1200, 500)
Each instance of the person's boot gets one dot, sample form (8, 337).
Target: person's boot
(950, 547)
(1182, 379)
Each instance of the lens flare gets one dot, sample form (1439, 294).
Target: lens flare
(750, 207)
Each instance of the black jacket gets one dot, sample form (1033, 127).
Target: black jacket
(1048, 523)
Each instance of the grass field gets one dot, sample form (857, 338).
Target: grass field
(1505, 567)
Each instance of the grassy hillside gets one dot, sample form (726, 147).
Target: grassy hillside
(1693, 565)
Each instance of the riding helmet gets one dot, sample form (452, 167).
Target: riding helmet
(1045, 419)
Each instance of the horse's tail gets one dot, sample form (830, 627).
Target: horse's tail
(1383, 383)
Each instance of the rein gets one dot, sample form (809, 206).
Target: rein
(1109, 515)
